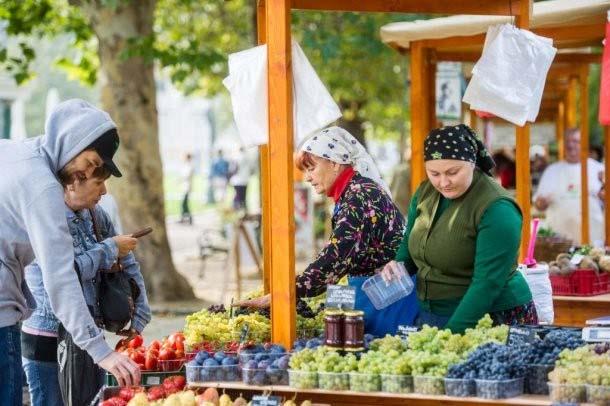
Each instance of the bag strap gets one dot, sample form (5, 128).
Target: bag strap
(116, 267)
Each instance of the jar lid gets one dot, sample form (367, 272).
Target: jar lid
(354, 313)
(333, 312)
(358, 349)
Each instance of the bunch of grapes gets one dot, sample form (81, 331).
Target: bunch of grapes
(259, 327)
(492, 361)
(547, 350)
(217, 309)
(205, 326)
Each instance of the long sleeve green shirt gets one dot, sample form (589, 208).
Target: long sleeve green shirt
(497, 242)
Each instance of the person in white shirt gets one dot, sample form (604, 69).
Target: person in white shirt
(245, 167)
(559, 189)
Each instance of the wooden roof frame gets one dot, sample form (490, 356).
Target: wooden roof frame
(274, 29)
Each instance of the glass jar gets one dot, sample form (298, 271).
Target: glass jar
(333, 328)
(354, 329)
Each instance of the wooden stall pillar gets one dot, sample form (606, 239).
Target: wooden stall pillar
(524, 184)
(283, 314)
(560, 126)
(607, 181)
(571, 103)
(584, 154)
(264, 164)
(420, 110)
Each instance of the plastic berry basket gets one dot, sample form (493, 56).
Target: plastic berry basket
(396, 383)
(536, 379)
(598, 395)
(171, 365)
(333, 380)
(429, 385)
(582, 282)
(363, 382)
(562, 393)
(499, 389)
(460, 387)
(302, 379)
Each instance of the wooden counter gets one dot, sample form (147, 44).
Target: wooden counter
(575, 310)
(346, 398)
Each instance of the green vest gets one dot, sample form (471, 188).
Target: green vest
(444, 251)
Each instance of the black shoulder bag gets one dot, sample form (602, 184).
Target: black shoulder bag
(117, 293)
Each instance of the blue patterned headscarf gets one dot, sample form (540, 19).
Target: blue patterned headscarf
(338, 145)
(460, 143)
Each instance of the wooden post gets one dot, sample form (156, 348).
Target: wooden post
(560, 126)
(419, 112)
(522, 154)
(584, 154)
(607, 181)
(237, 259)
(264, 163)
(571, 103)
(283, 314)
(474, 121)
(431, 94)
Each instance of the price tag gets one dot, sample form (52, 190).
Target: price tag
(405, 331)
(152, 380)
(340, 297)
(266, 400)
(576, 259)
(244, 333)
(520, 335)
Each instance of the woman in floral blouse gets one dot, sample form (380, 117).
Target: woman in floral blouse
(366, 226)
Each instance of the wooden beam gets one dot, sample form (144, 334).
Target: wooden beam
(431, 94)
(264, 163)
(587, 32)
(483, 7)
(522, 158)
(571, 103)
(473, 56)
(419, 112)
(561, 130)
(584, 154)
(283, 314)
(607, 180)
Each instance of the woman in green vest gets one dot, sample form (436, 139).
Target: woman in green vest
(462, 238)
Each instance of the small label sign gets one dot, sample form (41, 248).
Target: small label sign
(340, 297)
(266, 400)
(405, 331)
(520, 335)
(244, 333)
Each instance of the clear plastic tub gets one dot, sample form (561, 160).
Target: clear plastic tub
(171, 365)
(361, 382)
(220, 373)
(382, 293)
(460, 387)
(536, 379)
(303, 379)
(277, 376)
(396, 383)
(567, 393)
(333, 380)
(429, 385)
(598, 395)
(260, 356)
(502, 389)
(254, 376)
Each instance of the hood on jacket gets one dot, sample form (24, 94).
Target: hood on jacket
(71, 127)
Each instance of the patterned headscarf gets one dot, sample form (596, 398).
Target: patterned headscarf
(460, 143)
(338, 145)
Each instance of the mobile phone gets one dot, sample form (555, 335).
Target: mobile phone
(142, 232)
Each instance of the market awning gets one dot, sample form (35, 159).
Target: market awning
(553, 13)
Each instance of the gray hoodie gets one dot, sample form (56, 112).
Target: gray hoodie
(33, 222)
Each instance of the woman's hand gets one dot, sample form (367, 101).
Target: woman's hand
(392, 270)
(262, 302)
(125, 243)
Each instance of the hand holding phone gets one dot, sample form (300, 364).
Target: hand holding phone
(142, 232)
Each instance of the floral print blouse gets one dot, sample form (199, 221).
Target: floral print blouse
(367, 229)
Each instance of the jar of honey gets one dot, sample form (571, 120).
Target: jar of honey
(354, 330)
(333, 328)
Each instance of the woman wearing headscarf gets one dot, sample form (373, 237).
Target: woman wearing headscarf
(366, 226)
(462, 238)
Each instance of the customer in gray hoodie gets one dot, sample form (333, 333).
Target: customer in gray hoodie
(33, 225)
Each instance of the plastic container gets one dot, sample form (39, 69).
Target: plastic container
(260, 356)
(460, 387)
(429, 385)
(581, 282)
(361, 382)
(277, 376)
(501, 389)
(220, 373)
(333, 380)
(171, 365)
(396, 383)
(193, 372)
(255, 376)
(536, 379)
(382, 293)
(567, 393)
(302, 379)
(598, 395)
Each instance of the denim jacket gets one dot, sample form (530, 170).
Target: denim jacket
(90, 256)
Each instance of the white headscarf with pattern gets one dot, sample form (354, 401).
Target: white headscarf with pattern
(338, 145)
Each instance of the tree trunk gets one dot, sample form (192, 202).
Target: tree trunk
(351, 120)
(128, 95)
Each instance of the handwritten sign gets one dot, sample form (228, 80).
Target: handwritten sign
(340, 297)
(520, 335)
(405, 331)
